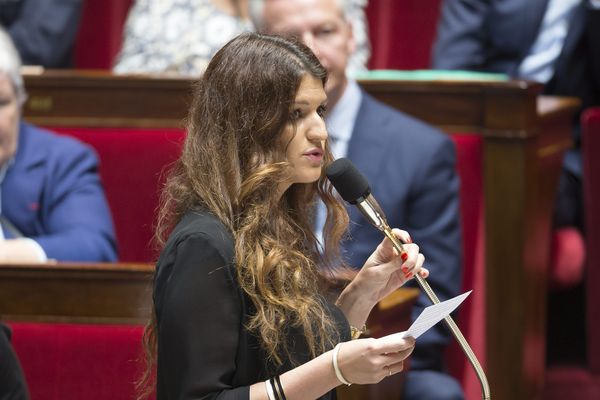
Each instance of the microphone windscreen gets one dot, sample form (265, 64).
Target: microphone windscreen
(350, 183)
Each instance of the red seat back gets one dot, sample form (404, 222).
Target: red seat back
(471, 316)
(402, 33)
(100, 33)
(133, 163)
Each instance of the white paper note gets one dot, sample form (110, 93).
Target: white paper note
(429, 317)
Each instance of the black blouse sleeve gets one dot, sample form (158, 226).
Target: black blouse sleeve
(199, 315)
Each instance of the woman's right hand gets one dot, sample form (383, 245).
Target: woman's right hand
(366, 361)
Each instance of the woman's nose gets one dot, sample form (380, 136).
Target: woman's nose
(318, 130)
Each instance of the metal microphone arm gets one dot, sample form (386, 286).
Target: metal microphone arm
(372, 211)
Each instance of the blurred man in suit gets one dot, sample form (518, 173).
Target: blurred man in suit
(410, 165)
(52, 205)
(554, 42)
(557, 43)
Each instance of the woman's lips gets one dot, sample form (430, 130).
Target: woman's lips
(314, 155)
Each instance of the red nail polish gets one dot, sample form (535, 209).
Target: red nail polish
(405, 270)
(404, 256)
(409, 240)
(410, 275)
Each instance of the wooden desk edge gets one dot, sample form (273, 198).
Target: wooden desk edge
(79, 267)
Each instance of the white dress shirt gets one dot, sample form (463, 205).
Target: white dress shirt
(538, 65)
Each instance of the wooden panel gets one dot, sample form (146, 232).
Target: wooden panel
(88, 98)
(97, 99)
(93, 293)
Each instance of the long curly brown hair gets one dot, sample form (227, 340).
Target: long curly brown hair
(231, 166)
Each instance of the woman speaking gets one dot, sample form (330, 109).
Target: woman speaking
(240, 292)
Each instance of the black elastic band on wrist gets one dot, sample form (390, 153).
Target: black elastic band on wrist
(275, 388)
(279, 389)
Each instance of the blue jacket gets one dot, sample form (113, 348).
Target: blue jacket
(53, 195)
(411, 169)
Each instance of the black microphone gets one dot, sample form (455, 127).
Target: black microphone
(354, 188)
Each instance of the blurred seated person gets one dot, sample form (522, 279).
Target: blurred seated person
(52, 205)
(12, 381)
(43, 31)
(180, 37)
(555, 42)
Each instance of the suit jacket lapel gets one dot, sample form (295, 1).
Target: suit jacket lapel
(27, 156)
(530, 25)
(577, 27)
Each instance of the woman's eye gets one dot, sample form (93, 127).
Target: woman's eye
(321, 110)
(296, 114)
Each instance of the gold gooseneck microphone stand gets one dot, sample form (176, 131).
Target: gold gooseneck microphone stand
(352, 185)
(372, 211)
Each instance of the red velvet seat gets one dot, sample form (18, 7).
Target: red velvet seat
(567, 257)
(100, 33)
(133, 162)
(471, 314)
(583, 382)
(402, 33)
(75, 362)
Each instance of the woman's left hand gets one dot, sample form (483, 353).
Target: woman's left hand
(386, 270)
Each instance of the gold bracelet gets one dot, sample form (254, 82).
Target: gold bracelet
(355, 333)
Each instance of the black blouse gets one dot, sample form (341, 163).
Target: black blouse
(204, 349)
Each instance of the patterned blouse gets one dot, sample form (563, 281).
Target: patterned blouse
(178, 36)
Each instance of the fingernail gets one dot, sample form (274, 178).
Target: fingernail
(409, 275)
(409, 240)
(404, 256)
(405, 270)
